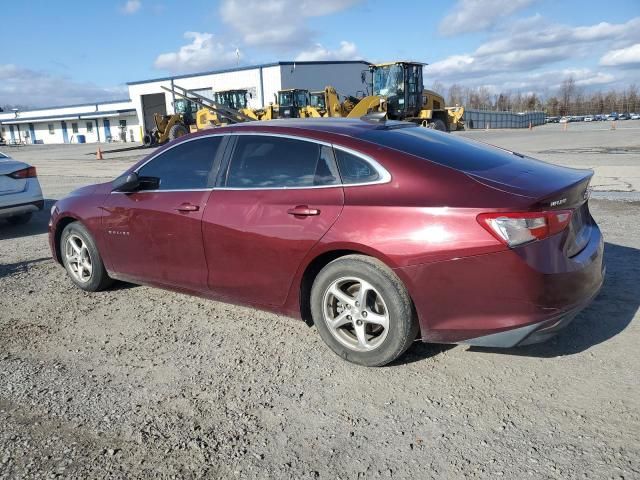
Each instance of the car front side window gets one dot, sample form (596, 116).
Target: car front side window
(261, 161)
(187, 166)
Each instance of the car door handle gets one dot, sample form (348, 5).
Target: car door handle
(303, 211)
(188, 207)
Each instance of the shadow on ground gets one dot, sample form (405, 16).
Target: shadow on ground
(19, 267)
(38, 224)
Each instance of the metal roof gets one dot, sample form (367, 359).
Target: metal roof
(107, 102)
(67, 116)
(248, 67)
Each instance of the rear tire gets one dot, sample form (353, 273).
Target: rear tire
(177, 131)
(20, 219)
(82, 260)
(437, 124)
(372, 328)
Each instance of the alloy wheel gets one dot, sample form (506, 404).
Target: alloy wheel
(356, 314)
(78, 258)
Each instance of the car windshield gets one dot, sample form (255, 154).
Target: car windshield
(317, 101)
(184, 106)
(286, 99)
(387, 80)
(302, 99)
(239, 100)
(2, 155)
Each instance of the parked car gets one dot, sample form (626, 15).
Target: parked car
(565, 120)
(612, 116)
(20, 193)
(589, 118)
(552, 119)
(635, 116)
(377, 232)
(624, 116)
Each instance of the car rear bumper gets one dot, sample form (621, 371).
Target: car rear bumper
(28, 200)
(530, 334)
(13, 210)
(509, 298)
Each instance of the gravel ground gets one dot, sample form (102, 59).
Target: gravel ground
(138, 382)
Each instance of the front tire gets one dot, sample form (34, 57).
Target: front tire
(362, 311)
(82, 260)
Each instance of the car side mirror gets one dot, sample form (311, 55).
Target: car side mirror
(126, 183)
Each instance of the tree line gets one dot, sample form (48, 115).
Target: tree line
(569, 99)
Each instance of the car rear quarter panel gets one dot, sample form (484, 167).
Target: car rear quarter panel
(426, 213)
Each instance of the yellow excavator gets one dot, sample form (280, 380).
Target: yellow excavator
(401, 84)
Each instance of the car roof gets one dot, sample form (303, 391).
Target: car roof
(344, 126)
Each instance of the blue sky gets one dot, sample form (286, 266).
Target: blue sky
(75, 51)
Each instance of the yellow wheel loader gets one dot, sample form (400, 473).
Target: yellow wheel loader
(211, 114)
(170, 127)
(295, 103)
(327, 104)
(401, 84)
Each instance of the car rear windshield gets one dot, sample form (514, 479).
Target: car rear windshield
(444, 149)
(2, 155)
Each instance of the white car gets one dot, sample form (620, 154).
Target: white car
(635, 116)
(588, 118)
(20, 193)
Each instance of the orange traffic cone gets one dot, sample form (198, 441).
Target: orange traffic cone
(99, 154)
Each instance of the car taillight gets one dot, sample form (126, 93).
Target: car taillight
(29, 172)
(518, 228)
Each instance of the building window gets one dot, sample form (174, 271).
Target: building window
(51, 129)
(74, 127)
(123, 123)
(89, 127)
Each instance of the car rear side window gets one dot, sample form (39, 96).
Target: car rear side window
(261, 161)
(187, 166)
(354, 169)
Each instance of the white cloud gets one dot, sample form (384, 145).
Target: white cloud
(277, 23)
(23, 86)
(477, 15)
(202, 53)
(629, 56)
(131, 7)
(346, 51)
(529, 45)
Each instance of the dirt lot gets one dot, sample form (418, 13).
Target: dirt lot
(137, 382)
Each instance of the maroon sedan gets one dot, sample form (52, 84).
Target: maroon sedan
(376, 232)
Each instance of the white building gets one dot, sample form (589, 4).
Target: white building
(94, 122)
(127, 120)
